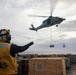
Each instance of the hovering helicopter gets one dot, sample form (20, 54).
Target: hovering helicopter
(48, 22)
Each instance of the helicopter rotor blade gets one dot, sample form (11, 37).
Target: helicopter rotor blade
(53, 4)
(38, 16)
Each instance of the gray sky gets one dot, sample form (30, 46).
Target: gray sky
(14, 16)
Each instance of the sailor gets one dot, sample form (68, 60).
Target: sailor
(8, 62)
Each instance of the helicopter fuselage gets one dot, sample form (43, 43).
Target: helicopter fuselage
(52, 21)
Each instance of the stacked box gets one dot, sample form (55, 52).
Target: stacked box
(47, 66)
(67, 62)
(73, 59)
(23, 66)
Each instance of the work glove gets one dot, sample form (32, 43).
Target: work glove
(31, 43)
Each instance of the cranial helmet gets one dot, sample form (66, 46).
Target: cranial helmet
(5, 35)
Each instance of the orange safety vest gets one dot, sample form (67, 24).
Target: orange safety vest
(8, 64)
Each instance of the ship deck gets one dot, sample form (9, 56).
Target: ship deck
(70, 65)
(71, 70)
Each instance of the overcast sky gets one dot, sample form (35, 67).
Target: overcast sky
(14, 16)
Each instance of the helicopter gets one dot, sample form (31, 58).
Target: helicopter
(50, 21)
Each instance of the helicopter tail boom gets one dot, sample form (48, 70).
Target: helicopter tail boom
(33, 28)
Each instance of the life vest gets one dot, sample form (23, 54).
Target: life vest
(8, 64)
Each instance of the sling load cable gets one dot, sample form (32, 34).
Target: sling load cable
(51, 39)
(51, 35)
